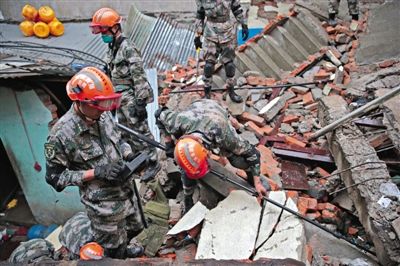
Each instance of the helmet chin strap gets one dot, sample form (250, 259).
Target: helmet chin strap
(89, 120)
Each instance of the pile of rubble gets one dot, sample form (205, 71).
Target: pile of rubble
(279, 120)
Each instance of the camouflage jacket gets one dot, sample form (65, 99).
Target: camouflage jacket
(33, 251)
(211, 121)
(75, 233)
(73, 147)
(126, 69)
(219, 27)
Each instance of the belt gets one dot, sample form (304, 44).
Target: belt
(218, 19)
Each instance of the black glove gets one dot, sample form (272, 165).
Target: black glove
(170, 148)
(245, 32)
(141, 112)
(157, 116)
(197, 42)
(109, 172)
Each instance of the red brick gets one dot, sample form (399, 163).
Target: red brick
(163, 100)
(256, 129)
(346, 79)
(242, 47)
(235, 123)
(342, 29)
(290, 118)
(322, 75)
(330, 30)
(274, 186)
(352, 231)
(387, 63)
(166, 91)
(355, 44)
(313, 106)
(293, 141)
(335, 52)
(258, 120)
(322, 172)
(327, 206)
(192, 62)
(298, 98)
(312, 204)
(328, 215)
(307, 98)
(302, 205)
(299, 69)
(267, 130)
(269, 166)
(294, 195)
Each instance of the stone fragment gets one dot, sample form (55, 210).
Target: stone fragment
(316, 93)
(250, 137)
(220, 238)
(272, 108)
(327, 89)
(333, 58)
(345, 58)
(286, 128)
(300, 89)
(305, 126)
(260, 104)
(339, 75)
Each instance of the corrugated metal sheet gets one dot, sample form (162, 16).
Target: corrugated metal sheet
(168, 44)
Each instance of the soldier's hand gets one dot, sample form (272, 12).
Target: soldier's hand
(197, 42)
(141, 112)
(109, 172)
(245, 32)
(260, 188)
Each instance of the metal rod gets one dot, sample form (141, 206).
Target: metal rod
(360, 111)
(142, 137)
(254, 193)
(259, 87)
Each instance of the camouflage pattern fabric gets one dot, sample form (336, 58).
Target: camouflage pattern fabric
(72, 148)
(76, 232)
(333, 7)
(128, 117)
(225, 51)
(209, 119)
(219, 27)
(34, 250)
(128, 76)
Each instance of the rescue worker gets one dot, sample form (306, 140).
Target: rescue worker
(333, 10)
(127, 74)
(204, 126)
(84, 149)
(213, 21)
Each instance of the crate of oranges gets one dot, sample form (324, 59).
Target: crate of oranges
(41, 23)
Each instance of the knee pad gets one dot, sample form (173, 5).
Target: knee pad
(208, 69)
(230, 69)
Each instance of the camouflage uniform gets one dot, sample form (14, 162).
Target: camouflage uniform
(219, 33)
(209, 121)
(128, 76)
(32, 251)
(333, 7)
(72, 148)
(75, 233)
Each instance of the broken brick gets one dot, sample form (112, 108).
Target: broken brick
(302, 205)
(246, 116)
(307, 98)
(267, 130)
(292, 141)
(299, 69)
(298, 98)
(352, 231)
(322, 172)
(314, 215)
(328, 215)
(274, 186)
(313, 106)
(312, 204)
(321, 75)
(387, 63)
(242, 47)
(327, 206)
(290, 118)
(256, 129)
(330, 30)
(292, 194)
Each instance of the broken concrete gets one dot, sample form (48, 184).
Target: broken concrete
(230, 229)
(288, 240)
(351, 149)
(270, 217)
(192, 218)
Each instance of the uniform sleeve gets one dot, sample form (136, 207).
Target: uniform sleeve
(200, 16)
(57, 173)
(237, 11)
(143, 91)
(232, 142)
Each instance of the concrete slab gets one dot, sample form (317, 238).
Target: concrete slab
(383, 36)
(288, 240)
(237, 108)
(270, 216)
(230, 229)
(192, 218)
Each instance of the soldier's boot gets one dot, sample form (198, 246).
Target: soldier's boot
(134, 249)
(207, 92)
(232, 94)
(332, 19)
(151, 171)
(116, 253)
(354, 17)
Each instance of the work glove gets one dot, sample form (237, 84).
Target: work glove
(141, 112)
(197, 42)
(170, 148)
(245, 32)
(157, 116)
(109, 172)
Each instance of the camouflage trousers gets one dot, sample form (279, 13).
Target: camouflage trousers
(225, 52)
(127, 116)
(112, 220)
(333, 7)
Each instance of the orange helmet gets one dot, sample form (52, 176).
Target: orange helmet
(93, 86)
(191, 156)
(104, 19)
(91, 251)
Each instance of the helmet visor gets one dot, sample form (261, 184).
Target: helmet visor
(106, 103)
(96, 29)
